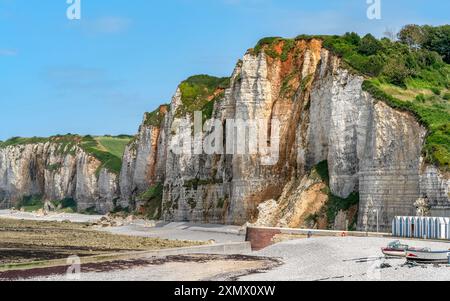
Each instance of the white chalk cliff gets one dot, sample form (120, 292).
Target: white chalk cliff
(370, 148)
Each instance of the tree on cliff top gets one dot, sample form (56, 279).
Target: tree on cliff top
(427, 37)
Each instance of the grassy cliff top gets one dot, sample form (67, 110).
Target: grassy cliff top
(107, 149)
(199, 92)
(411, 73)
(156, 117)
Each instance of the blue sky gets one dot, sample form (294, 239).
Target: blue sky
(100, 74)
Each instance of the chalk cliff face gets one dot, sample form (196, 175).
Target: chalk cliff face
(143, 163)
(324, 115)
(436, 186)
(55, 172)
(371, 150)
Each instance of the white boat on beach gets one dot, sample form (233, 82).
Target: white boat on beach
(395, 249)
(428, 256)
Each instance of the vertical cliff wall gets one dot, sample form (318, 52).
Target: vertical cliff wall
(143, 163)
(371, 149)
(54, 172)
(372, 152)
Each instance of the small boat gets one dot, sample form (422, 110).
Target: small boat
(395, 249)
(428, 256)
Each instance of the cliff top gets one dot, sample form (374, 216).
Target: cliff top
(199, 92)
(156, 117)
(107, 149)
(410, 73)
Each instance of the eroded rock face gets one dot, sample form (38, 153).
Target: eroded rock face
(324, 115)
(47, 170)
(390, 169)
(229, 188)
(143, 163)
(338, 128)
(435, 186)
(299, 206)
(371, 148)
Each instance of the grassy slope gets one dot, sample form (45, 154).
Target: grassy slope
(113, 145)
(414, 80)
(156, 117)
(107, 149)
(198, 93)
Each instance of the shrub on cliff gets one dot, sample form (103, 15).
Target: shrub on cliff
(198, 91)
(396, 72)
(152, 199)
(352, 38)
(154, 118)
(372, 65)
(265, 42)
(271, 45)
(369, 45)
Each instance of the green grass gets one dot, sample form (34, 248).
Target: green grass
(198, 93)
(108, 160)
(336, 204)
(432, 112)
(208, 108)
(65, 142)
(114, 145)
(268, 41)
(22, 141)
